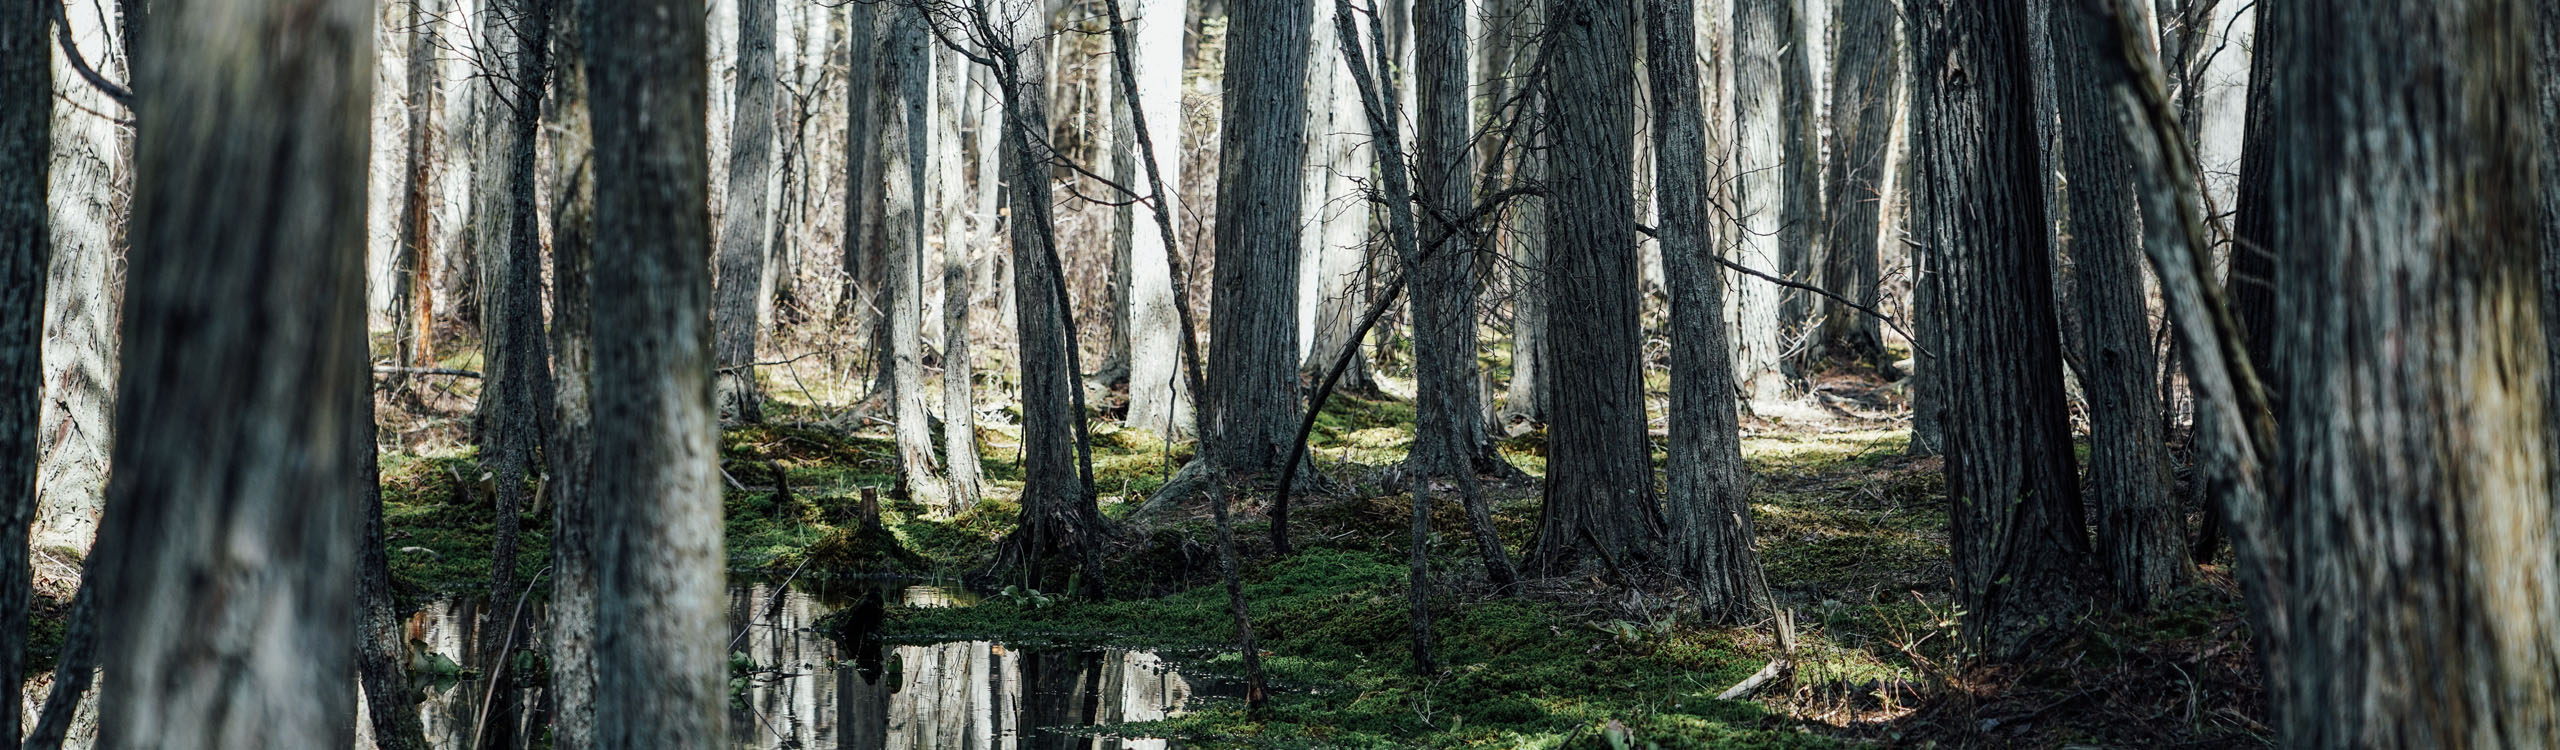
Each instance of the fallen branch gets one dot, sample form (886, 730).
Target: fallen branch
(386, 369)
(1764, 276)
(1777, 666)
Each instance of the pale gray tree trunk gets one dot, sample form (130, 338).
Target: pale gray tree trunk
(903, 160)
(1333, 253)
(1866, 74)
(2414, 486)
(1599, 494)
(1928, 401)
(1759, 136)
(88, 165)
(660, 665)
(2020, 556)
(2140, 529)
(1800, 216)
(967, 479)
(1253, 384)
(230, 545)
(1524, 235)
(1708, 507)
(571, 450)
(26, 154)
(1159, 402)
(745, 237)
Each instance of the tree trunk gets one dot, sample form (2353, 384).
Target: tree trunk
(1524, 236)
(91, 165)
(2547, 70)
(1599, 494)
(231, 544)
(1800, 216)
(1253, 384)
(2019, 551)
(903, 167)
(2414, 489)
(571, 448)
(412, 298)
(741, 287)
(1866, 73)
(1449, 431)
(1334, 251)
(2251, 286)
(660, 672)
(1759, 188)
(1709, 509)
(1058, 513)
(382, 645)
(26, 153)
(514, 400)
(1159, 402)
(861, 87)
(2140, 528)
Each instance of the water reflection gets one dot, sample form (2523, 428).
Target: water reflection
(797, 685)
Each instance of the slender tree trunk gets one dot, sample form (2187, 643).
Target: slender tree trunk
(1334, 251)
(2251, 286)
(2547, 71)
(571, 450)
(1800, 215)
(1449, 431)
(1709, 509)
(2140, 529)
(903, 166)
(1253, 385)
(1058, 513)
(1760, 184)
(660, 669)
(412, 298)
(2415, 486)
(2019, 551)
(26, 154)
(1599, 495)
(1159, 402)
(382, 645)
(1866, 73)
(862, 28)
(514, 414)
(230, 546)
(745, 237)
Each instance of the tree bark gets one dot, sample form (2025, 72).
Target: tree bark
(2414, 489)
(1759, 188)
(382, 645)
(2014, 528)
(571, 450)
(861, 88)
(903, 118)
(742, 288)
(412, 297)
(1449, 431)
(1524, 237)
(1708, 506)
(660, 668)
(230, 545)
(26, 155)
(1253, 384)
(1334, 251)
(1866, 75)
(1599, 494)
(91, 165)
(1800, 215)
(2547, 70)
(1058, 513)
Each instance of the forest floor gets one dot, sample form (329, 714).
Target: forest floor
(1851, 532)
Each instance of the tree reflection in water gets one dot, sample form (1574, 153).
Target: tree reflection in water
(801, 687)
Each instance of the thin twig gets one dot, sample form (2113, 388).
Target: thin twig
(1763, 276)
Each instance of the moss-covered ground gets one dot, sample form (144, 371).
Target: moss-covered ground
(1851, 532)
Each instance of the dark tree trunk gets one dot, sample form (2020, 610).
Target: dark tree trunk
(1866, 75)
(862, 25)
(2251, 287)
(2414, 487)
(26, 238)
(1253, 324)
(1599, 495)
(1058, 514)
(571, 448)
(382, 645)
(2019, 550)
(515, 398)
(2140, 529)
(1709, 509)
(659, 675)
(230, 540)
(742, 287)
(2547, 71)
(1449, 430)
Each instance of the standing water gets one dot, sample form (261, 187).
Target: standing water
(796, 685)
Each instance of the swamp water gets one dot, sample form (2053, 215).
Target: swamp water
(794, 686)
